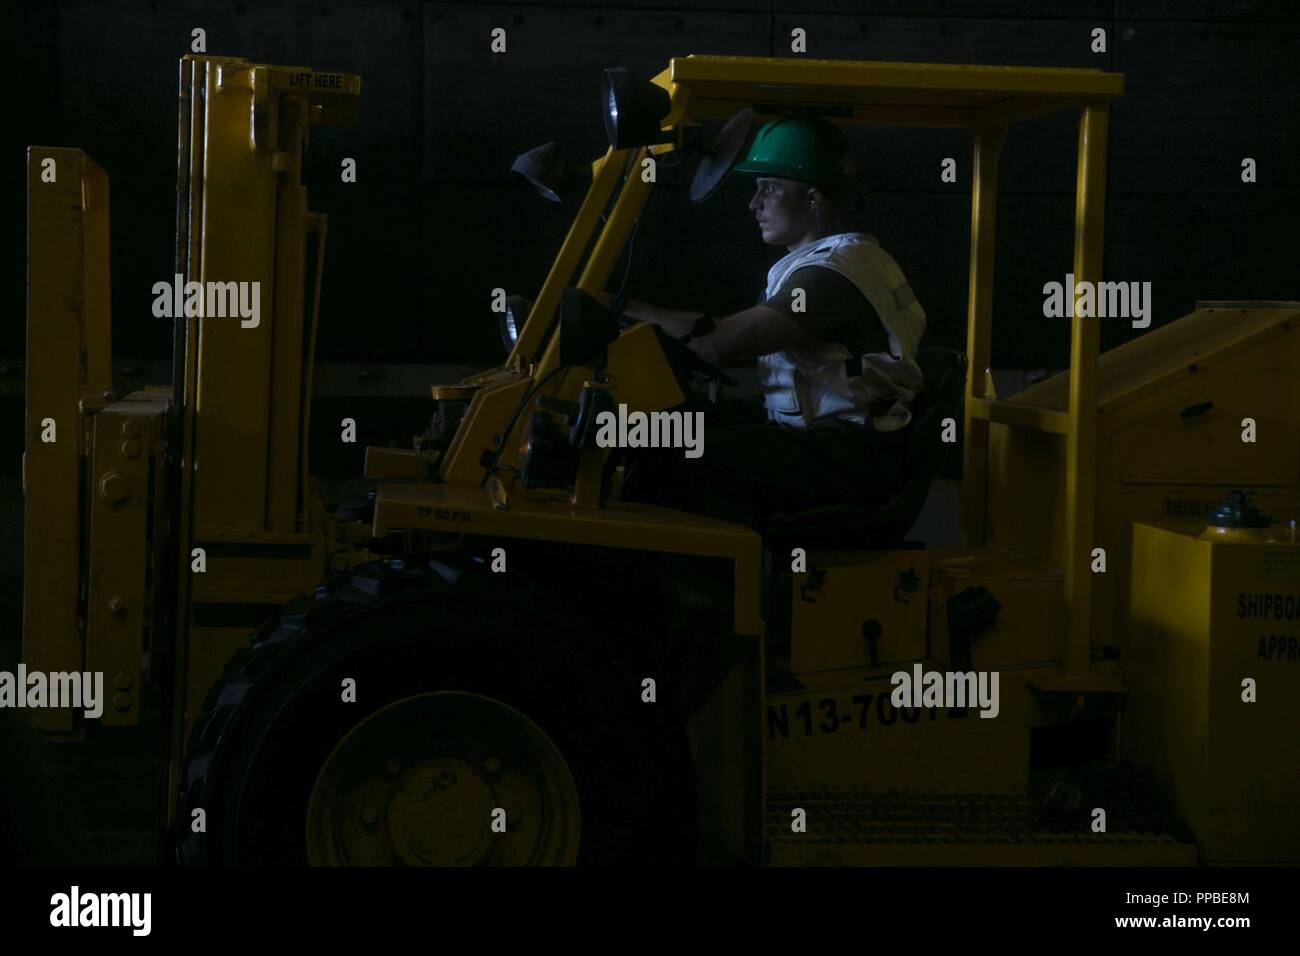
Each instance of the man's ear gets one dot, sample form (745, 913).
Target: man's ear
(814, 196)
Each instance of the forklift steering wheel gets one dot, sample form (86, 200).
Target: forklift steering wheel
(684, 354)
(681, 357)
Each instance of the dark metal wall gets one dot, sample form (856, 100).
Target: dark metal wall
(435, 220)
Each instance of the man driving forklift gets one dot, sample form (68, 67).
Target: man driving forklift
(834, 337)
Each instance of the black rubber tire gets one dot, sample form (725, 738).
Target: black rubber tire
(404, 628)
(27, 815)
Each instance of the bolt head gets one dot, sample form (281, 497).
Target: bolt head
(492, 765)
(115, 488)
(369, 816)
(122, 701)
(446, 778)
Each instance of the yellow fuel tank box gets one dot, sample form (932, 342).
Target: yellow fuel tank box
(1212, 662)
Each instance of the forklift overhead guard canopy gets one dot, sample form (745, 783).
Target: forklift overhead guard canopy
(895, 94)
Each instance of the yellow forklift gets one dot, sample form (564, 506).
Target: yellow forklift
(492, 659)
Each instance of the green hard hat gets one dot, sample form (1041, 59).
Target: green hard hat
(807, 149)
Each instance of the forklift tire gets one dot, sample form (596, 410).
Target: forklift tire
(27, 816)
(458, 671)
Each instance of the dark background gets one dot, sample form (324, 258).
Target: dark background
(436, 221)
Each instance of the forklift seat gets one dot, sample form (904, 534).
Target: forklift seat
(871, 526)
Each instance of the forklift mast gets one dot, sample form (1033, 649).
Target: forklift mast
(248, 533)
(192, 510)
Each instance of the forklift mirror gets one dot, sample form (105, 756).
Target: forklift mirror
(545, 168)
(731, 144)
(586, 327)
(633, 109)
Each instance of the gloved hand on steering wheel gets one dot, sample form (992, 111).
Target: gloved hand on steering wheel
(674, 331)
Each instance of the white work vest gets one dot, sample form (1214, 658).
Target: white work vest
(810, 382)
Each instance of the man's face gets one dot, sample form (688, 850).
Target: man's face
(783, 211)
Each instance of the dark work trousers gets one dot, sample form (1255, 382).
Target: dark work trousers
(753, 469)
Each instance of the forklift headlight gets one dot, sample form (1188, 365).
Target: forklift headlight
(512, 319)
(509, 330)
(548, 460)
(634, 110)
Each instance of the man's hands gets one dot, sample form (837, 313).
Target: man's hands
(745, 336)
(675, 323)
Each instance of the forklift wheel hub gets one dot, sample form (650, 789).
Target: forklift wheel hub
(444, 779)
(441, 816)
